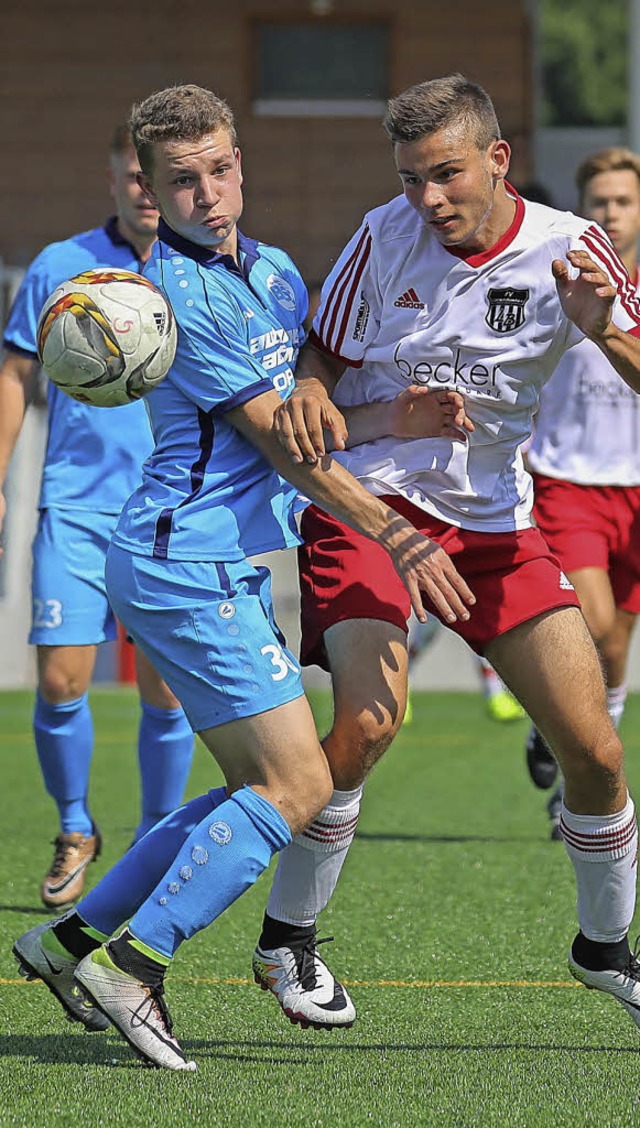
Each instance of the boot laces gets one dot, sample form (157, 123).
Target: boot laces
(306, 956)
(157, 1003)
(60, 857)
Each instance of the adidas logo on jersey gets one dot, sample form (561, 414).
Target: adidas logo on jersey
(565, 583)
(409, 300)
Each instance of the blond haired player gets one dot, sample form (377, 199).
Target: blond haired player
(500, 289)
(585, 458)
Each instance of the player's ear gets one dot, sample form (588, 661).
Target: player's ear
(145, 184)
(499, 158)
(238, 155)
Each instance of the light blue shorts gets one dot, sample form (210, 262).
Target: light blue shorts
(68, 591)
(209, 629)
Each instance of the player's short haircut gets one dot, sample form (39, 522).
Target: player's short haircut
(614, 159)
(121, 140)
(179, 113)
(441, 102)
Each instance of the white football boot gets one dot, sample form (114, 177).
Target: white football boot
(306, 989)
(621, 985)
(136, 1009)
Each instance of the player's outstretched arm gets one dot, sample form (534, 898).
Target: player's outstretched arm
(421, 563)
(588, 301)
(309, 418)
(309, 425)
(415, 413)
(16, 374)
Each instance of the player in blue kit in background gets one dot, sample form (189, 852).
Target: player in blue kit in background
(93, 461)
(178, 574)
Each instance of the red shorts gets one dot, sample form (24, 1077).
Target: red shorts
(344, 575)
(593, 527)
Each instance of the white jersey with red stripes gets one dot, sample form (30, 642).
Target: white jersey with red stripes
(401, 309)
(587, 429)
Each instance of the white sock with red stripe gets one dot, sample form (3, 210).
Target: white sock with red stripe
(491, 682)
(309, 868)
(604, 852)
(616, 698)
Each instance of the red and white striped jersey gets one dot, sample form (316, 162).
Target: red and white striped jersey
(401, 309)
(587, 429)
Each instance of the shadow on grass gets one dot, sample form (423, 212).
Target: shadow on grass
(367, 836)
(36, 910)
(51, 1049)
(62, 1049)
(299, 1055)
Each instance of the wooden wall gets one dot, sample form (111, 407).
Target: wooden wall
(72, 69)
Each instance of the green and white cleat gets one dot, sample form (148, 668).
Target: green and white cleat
(41, 956)
(136, 1009)
(504, 707)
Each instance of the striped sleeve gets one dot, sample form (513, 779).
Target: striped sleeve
(346, 320)
(626, 311)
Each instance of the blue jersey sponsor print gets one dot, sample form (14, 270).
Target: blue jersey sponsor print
(93, 454)
(207, 493)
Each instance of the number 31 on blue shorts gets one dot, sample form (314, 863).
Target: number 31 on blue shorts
(209, 629)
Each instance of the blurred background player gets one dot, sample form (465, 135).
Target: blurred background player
(92, 463)
(585, 459)
(499, 703)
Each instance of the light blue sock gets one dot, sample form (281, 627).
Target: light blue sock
(127, 884)
(165, 751)
(220, 859)
(64, 742)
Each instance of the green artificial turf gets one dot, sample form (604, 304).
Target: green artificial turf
(451, 923)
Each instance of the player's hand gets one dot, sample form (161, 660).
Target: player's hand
(429, 413)
(424, 566)
(300, 423)
(587, 299)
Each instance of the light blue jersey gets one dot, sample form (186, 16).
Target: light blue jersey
(207, 493)
(93, 454)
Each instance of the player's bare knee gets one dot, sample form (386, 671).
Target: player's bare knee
(57, 686)
(305, 798)
(613, 652)
(360, 740)
(609, 754)
(600, 764)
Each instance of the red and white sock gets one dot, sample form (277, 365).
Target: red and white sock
(491, 683)
(604, 852)
(309, 868)
(616, 698)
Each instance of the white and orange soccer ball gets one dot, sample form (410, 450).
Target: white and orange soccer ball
(106, 337)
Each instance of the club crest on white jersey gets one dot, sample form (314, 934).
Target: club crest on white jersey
(506, 309)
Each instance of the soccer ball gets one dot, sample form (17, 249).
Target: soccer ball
(106, 337)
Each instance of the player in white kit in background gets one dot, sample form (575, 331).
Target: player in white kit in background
(585, 459)
(500, 289)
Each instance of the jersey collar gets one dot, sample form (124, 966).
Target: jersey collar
(113, 233)
(247, 250)
(504, 240)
